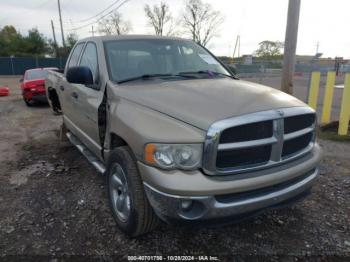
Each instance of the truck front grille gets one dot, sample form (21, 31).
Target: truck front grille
(295, 123)
(295, 145)
(259, 140)
(243, 157)
(247, 132)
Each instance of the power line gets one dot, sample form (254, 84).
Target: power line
(100, 18)
(72, 23)
(100, 13)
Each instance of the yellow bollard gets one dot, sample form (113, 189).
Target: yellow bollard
(314, 86)
(328, 98)
(345, 108)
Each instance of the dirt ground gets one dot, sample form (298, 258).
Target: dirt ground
(54, 204)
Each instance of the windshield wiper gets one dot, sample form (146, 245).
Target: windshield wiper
(148, 76)
(207, 72)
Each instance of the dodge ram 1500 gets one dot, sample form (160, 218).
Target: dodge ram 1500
(178, 136)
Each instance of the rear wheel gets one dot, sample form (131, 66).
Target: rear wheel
(130, 207)
(28, 102)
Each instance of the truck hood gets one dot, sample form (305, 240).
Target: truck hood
(202, 102)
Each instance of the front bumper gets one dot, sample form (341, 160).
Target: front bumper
(172, 207)
(176, 195)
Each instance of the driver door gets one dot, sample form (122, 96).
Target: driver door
(87, 101)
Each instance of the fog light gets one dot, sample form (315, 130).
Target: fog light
(186, 205)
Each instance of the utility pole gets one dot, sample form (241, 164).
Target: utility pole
(54, 37)
(59, 12)
(92, 31)
(317, 47)
(290, 46)
(237, 46)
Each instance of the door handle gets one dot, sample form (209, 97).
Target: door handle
(75, 95)
(62, 88)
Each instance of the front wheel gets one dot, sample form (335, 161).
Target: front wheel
(130, 207)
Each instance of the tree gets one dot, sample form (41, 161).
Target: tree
(34, 44)
(269, 49)
(71, 41)
(201, 21)
(52, 48)
(10, 41)
(61, 51)
(160, 17)
(13, 43)
(114, 25)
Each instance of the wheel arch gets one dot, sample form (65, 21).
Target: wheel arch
(116, 141)
(54, 100)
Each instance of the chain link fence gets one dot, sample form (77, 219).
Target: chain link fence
(258, 68)
(269, 73)
(18, 65)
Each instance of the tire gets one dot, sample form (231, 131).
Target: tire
(28, 102)
(56, 111)
(54, 102)
(130, 207)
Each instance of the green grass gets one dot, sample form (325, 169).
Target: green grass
(330, 132)
(331, 135)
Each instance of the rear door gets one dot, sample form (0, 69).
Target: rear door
(88, 100)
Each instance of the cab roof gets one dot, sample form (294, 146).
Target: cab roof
(130, 37)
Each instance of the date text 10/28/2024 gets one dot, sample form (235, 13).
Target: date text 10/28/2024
(173, 258)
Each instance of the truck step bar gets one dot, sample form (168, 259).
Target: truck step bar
(87, 153)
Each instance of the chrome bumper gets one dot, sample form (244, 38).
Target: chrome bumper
(211, 207)
(39, 97)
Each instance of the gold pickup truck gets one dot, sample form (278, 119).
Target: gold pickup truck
(178, 136)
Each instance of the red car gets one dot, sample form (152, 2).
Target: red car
(33, 85)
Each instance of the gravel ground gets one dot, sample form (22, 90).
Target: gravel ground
(54, 204)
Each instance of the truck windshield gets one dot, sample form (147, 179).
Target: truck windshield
(132, 59)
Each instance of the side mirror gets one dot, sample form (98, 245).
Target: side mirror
(21, 80)
(79, 75)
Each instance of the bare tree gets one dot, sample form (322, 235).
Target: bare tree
(160, 18)
(114, 25)
(201, 21)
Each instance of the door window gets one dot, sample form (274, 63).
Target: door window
(89, 59)
(73, 61)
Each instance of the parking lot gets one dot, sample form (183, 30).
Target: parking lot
(301, 90)
(53, 203)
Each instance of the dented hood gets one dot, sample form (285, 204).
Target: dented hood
(202, 102)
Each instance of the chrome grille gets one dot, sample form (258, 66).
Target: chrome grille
(252, 131)
(258, 140)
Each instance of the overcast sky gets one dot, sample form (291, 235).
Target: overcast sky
(323, 21)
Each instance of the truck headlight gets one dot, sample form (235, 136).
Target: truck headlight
(172, 156)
